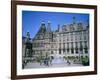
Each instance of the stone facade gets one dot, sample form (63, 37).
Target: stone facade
(69, 40)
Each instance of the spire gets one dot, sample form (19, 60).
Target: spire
(58, 27)
(43, 24)
(87, 24)
(49, 26)
(28, 35)
(74, 19)
(42, 27)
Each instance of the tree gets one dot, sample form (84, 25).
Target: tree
(85, 61)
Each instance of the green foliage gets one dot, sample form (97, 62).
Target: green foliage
(85, 61)
(71, 57)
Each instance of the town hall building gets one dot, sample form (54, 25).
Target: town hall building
(69, 40)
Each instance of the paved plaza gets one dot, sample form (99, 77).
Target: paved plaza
(55, 63)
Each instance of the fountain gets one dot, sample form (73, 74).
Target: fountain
(58, 60)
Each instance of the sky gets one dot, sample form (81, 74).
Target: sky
(31, 20)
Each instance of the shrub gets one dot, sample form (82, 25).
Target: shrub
(85, 61)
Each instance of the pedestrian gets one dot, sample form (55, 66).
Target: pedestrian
(68, 62)
(50, 61)
(44, 61)
(40, 62)
(47, 61)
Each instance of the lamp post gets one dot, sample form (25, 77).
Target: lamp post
(81, 51)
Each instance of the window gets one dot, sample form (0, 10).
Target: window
(67, 49)
(84, 37)
(85, 43)
(80, 37)
(52, 52)
(81, 57)
(59, 40)
(72, 44)
(67, 39)
(67, 45)
(59, 51)
(63, 47)
(72, 50)
(76, 50)
(86, 50)
(71, 38)
(52, 46)
(75, 37)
